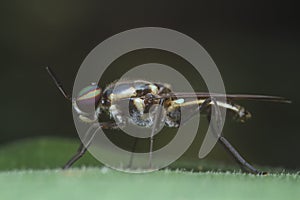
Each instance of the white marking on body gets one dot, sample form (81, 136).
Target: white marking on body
(175, 104)
(116, 115)
(139, 104)
(124, 94)
(179, 101)
(154, 89)
(113, 111)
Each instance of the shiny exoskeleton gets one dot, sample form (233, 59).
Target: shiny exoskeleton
(141, 96)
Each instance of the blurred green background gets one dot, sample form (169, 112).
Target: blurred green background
(256, 46)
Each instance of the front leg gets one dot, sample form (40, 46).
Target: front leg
(157, 118)
(87, 140)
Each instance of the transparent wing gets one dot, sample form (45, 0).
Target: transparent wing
(232, 97)
(229, 97)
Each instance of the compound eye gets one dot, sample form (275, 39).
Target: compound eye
(88, 98)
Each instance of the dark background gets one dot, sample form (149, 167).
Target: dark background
(254, 44)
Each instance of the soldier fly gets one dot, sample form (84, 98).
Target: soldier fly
(144, 94)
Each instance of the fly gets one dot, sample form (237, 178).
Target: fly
(142, 95)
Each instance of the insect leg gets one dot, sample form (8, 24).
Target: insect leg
(208, 103)
(240, 114)
(88, 138)
(155, 123)
(242, 162)
(132, 152)
(202, 107)
(226, 144)
(82, 149)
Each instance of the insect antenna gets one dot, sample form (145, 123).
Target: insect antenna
(58, 83)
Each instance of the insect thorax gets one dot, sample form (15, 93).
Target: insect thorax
(136, 102)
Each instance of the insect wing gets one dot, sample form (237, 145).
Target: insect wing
(232, 97)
